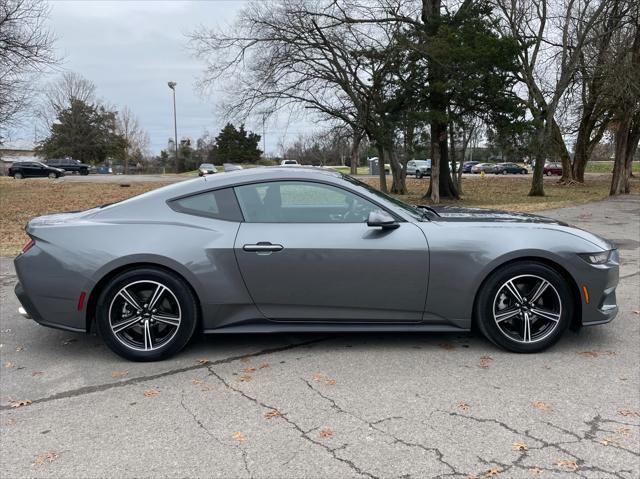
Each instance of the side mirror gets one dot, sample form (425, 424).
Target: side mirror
(382, 219)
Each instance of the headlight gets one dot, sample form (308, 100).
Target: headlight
(596, 258)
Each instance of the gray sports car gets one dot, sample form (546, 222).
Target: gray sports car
(308, 249)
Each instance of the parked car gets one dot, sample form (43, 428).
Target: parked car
(553, 169)
(104, 170)
(289, 163)
(231, 167)
(466, 167)
(33, 169)
(513, 168)
(419, 168)
(69, 165)
(265, 250)
(206, 169)
(486, 167)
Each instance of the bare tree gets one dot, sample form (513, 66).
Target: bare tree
(553, 38)
(136, 139)
(58, 95)
(26, 47)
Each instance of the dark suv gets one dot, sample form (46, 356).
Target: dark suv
(70, 165)
(33, 169)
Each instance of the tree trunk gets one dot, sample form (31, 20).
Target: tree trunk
(620, 178)
(381, 175)
(537, 182)
(398, 184)
(355, 151)
(562, 152)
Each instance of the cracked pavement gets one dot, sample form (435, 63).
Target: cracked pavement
(332, 406)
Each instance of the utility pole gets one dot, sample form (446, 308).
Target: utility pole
(172, 85)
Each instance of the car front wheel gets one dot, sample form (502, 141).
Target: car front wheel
(52, 175)
(146, 314)
(524, 307)
(18, 176)
(418, 175)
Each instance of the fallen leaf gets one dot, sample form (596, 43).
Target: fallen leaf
(595, 354)
(493, 472)
(272, 414)
(535, 471)
(541, 406)
(245, 359)
(46, 457)
(520, 446)
(485, 362)
(19, 349)
(629, 413)
(119, 374)
(151, 393)
(197, 381)
(20, 402)
(37, 373)
(636, 311)
(249, 370)
(569, 464)
(263, 365)
(625, 431)
(9, 365)
(202, 361)
(326, 432)
(463, 406)
(245, 378)
(238, 436)
(447, 346)
(320, 377)
(605, 441)
(330, 382)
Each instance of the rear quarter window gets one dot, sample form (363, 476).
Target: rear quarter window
(218, 204)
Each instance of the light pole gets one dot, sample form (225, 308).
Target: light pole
(172, 85)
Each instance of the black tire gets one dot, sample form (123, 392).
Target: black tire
(18, 176)
(504, 172)
(548, 173)
(523, 172)
(127, 347)
(53, 175)
(418, 175)
(84, 172)
(548, 331)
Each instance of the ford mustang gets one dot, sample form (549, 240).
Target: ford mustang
(308, 249)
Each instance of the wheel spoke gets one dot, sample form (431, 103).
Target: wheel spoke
(544, 284)
(550, 315)
(170, 320)
(156, 296)
(126, 324)
(514, 291)
(148, 341)
(527, 328)
(506, 315)
(128, 297)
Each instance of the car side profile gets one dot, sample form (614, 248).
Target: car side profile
(510, 168)
(33, 169)
(483, 167)
(552, 169)
(466, 167)
(308, 249)
(69, 165)
(207, 169)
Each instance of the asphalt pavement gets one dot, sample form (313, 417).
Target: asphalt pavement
(331, 406)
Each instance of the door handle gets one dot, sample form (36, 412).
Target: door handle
(263, 247)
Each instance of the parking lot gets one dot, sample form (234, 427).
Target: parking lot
(325, 406)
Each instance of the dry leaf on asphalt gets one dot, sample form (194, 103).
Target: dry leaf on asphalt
(485, 362)
(535, 471)
(197, 381)
(46, 457)
(625, 431)
(605, 441)
(320, 377)
(520, 446)
(463, 406)
(326, 432)
(249, 370)
(119, 374)
(151, 393)
(636, 311)
(202, 361)
(263, 365)
(568, 464)
(20, 402)
(629, 413)
(238, 436)
(37, 373)
(595, 354)
(272, 414)
(493, 472)
(245, 378)
(541, 406)
(9, 365)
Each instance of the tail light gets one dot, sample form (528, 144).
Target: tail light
(28, 245)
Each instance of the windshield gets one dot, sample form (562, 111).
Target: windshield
(422, 162)
(407, 208)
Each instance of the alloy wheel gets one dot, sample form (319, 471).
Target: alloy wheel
(527, 308)
(144, 315)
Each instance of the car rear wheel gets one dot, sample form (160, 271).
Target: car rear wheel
(146, 314)
(504, 172)
(524, 307)
(548, 173)
(418, 175)
(52, 175)
(84, 172)
(18, 176)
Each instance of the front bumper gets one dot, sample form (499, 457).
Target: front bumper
(598, 291)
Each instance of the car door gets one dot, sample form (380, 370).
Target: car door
(306, 254)
(30, 170)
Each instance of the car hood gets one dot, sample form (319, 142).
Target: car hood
(481, 215)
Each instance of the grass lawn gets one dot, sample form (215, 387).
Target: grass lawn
(22, 200)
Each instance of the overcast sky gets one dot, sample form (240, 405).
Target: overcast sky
(131, 49)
